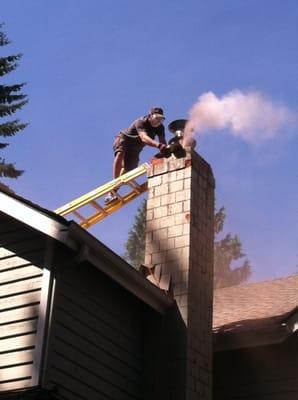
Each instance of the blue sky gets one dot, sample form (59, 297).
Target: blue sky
(93, 66)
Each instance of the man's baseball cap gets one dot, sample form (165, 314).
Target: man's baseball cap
(157, 111)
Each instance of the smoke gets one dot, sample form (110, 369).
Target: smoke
(249, 116)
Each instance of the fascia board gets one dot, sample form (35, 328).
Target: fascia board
(76, 238)
(35, 219)
(117, 269)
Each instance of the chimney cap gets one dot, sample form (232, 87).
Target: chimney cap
(177, 126)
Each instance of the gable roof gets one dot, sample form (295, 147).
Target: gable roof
(255, 301)
(255, 314)
(85, 245)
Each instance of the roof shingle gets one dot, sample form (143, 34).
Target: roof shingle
(255, 301)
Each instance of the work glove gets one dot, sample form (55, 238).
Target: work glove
(162, 148)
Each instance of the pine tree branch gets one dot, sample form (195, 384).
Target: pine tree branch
(6, 110)
(6, 95)
(9, 170)
(11, 100)
(9, 63)
(3, 38)
(11, 128)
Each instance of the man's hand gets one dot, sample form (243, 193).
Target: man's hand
(162, 148)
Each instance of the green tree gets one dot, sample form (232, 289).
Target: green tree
(135, 245)
(11, 100)
(227, 250)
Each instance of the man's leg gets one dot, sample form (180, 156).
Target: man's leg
(118, 164)
(131, 158)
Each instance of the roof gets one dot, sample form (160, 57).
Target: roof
(256, 313)
(86, 246)
(43, 210)
(255, 301)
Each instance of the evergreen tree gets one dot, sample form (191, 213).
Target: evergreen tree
(227, 250)
(11, 100)
(135, 245)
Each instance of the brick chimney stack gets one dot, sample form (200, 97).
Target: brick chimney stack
(179, 245)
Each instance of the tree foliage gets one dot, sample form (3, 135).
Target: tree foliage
(135, 245)
(227, 250)
(11, 100)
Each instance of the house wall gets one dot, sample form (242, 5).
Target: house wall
(98, 335)
(265, 372)
(22, 253)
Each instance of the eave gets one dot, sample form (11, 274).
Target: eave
(269, 331)
(87, 247)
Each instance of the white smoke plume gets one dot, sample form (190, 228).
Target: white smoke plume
(249, 116)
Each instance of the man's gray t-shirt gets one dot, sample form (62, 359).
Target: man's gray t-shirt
(143, 125)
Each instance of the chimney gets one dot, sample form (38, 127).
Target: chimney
(179, 248)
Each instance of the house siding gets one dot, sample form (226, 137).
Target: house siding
(265, 372)
(96, 336)
(21, 257)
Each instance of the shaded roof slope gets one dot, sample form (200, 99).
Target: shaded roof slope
(256, 301)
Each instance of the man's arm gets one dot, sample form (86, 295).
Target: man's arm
(147, 139)
(162, 138)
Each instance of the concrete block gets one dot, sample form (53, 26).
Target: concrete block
(187, 183)
(175, 186)
(187, 172)
(148, 237)
(167, 221)
(148, 259)
(152, 225)
(149, 215)
(175, 208)
(160, 234)
(175, 230)
(161, 190)
(161, 211)
(186, 205)
(166, 244)
(160, 168)
(182, 241)
(158, 258)
(173, 255)
(168, 199)
(153, 202)
(175, 164)
(155, 181)
(183, 195)
(186, 229)
(180, 174)
(153, 247)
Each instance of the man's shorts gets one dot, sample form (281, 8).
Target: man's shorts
(131, 149)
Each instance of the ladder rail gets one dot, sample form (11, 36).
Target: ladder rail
(90, 198)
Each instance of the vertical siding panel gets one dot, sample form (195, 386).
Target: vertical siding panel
(21, 256)
(265, 372)
(96, 343)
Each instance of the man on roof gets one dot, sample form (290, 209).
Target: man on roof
(130, 142)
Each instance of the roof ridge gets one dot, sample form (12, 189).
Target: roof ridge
(295, 275)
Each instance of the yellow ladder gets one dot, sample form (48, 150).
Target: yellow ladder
(103, 211)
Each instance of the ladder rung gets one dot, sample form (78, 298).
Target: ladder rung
(111, 208)
(77, 214)
(97, 206)
(90, 198)
(135, 186)
(102, 190)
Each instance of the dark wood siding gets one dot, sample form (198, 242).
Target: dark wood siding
(21, 256)
(266, 372)
(96, 337)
